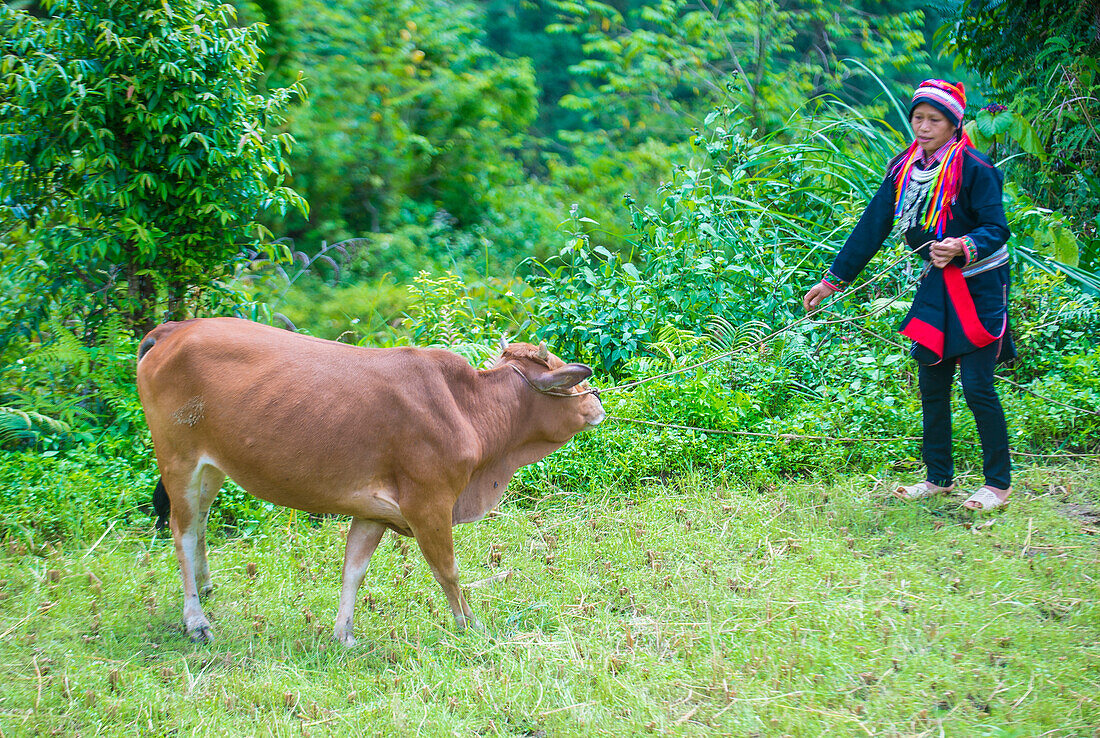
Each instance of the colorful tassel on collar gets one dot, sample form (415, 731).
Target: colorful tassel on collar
(945, 188)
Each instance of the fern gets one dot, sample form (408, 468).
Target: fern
(79, 383)
(25, 425)
(442, 314)
(1080, 313)
(64, 353)
(724, 336)
(796, 349)
(674, 344)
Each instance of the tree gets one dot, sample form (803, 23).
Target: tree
(1039, 59)
(137, 156)
(653, 66)
(411, 114)
(519, 29)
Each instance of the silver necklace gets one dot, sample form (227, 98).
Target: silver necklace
(915, 197)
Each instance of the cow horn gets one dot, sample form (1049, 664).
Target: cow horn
(543, 353)
(503, 342)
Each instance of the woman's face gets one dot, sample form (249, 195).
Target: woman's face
(931, 127)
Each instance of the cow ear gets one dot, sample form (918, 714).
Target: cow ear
(563, 377)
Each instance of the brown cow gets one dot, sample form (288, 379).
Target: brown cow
(411, 439)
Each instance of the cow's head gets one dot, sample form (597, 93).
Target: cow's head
(561, 383)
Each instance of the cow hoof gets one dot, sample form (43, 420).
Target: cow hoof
(202, 634)
(199, 630)
(206, 590)
(344, 631)
(463, 624)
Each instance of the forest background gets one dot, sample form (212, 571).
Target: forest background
(642, 185)
(645, 185)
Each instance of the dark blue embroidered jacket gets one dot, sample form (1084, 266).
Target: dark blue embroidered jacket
(978, 213)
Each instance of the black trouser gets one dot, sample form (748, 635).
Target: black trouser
(977, 380)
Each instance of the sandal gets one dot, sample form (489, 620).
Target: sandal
(920, 490)
(986, 499)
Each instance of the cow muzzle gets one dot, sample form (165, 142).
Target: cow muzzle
(596, 414)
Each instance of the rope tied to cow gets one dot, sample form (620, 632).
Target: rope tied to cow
(726, 354)
(590, 391)
(809, 318)
(829, 439)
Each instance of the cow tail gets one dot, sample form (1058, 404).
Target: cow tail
(161, 504)
(145, 346)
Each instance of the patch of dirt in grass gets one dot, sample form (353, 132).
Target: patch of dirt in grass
(953, 511)
(1087, 514)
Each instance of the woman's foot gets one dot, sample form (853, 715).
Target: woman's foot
(987, 498)
(920, 490)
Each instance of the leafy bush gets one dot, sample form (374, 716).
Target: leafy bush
(76, 493)
(143, 155)
(409, 113)
(468, 319)
(1039, 58)
(601, 305)
(736, 236)
(1052, 320)
(1047, 413)
(366, 312)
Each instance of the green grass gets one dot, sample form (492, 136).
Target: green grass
(696, 607)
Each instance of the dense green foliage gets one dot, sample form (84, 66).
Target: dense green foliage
(409, 115)
(736, 235)
(415, 140)
(137, 156)
(1039, 58)
(650, 68)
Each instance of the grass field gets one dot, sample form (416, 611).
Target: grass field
(693, 608)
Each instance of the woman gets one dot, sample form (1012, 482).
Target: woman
(944, 197)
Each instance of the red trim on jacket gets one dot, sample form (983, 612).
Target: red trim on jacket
(959, 294)
(925, 334)
(987, 165)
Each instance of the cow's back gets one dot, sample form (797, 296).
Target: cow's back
(297, 420)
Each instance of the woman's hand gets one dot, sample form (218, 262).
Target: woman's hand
(816, 294)
(942, 252)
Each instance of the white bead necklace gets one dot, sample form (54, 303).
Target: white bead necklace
(915, 197)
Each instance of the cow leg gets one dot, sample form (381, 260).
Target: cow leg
(184, 491)
(210, 483)
(363, 538)
(433, 535)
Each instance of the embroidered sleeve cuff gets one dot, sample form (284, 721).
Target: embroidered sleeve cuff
(831, 280)
(970, 250)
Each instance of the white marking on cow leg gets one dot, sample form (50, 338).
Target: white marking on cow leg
(210, 480)
(194, 619)
(185, 522)
(363, 538)
(203, 583)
